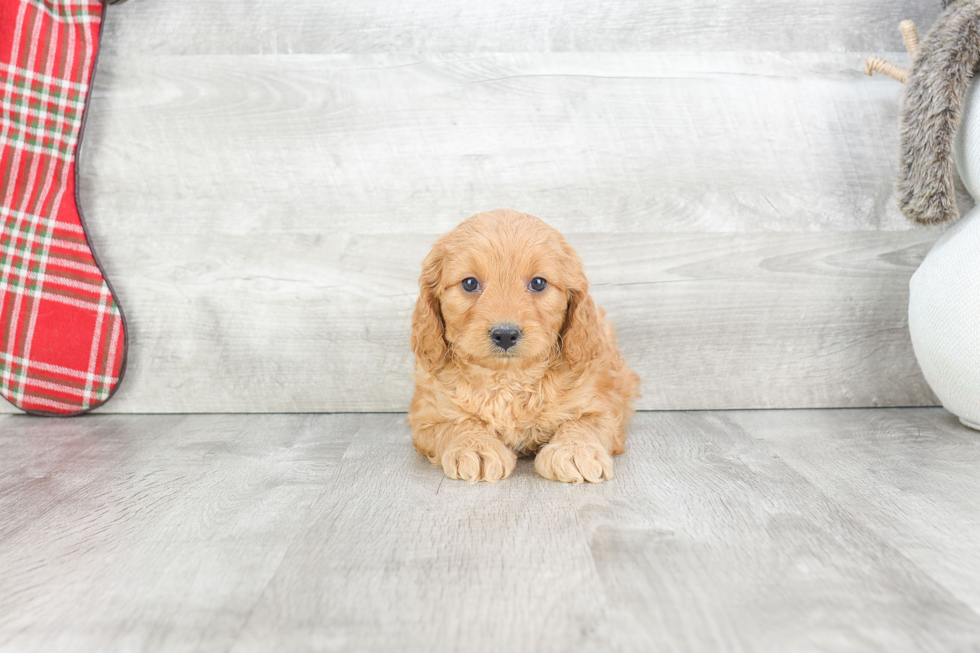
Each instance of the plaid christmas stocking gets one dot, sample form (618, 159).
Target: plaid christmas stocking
(62, 339)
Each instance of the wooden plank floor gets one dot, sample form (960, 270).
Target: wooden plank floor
(852, 530)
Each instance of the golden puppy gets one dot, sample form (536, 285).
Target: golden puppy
(513, 358)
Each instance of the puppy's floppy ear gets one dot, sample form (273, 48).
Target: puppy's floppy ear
(428, 343)
(581, 337)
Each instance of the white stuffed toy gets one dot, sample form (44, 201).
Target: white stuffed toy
(940, 126)
(944, 299)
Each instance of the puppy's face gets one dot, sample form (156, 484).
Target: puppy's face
(501, 283)
(503, 298)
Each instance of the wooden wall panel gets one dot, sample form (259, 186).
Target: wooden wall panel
(306, 322)
(358, 26)
(262, 186)
(598, 142)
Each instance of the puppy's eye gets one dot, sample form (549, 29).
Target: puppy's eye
(470, 284)
(537, 284)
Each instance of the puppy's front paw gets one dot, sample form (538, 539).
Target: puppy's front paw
(478, 459)
(574, 462)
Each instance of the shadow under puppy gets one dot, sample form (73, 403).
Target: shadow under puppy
(512, 357)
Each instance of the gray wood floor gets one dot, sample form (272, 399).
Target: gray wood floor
(849, 530)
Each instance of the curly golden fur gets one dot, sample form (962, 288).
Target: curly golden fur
(562, 392)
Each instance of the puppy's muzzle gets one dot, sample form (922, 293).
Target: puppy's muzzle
(505, 336)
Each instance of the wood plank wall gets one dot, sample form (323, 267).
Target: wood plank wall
(263, 178)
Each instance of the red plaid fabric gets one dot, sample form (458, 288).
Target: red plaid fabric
(62, 340)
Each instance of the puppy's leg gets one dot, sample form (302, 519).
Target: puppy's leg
(468, 452)
(580, 451)
(475, 458)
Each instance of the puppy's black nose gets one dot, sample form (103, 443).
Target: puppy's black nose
(505, 336)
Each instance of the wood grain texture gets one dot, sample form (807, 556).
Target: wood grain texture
(908, 475)
(262, 194)
(395, 143)
(357, 26)
(317, 323)
(264, 218)
(711, 537)
(774, 530)
(151, 530)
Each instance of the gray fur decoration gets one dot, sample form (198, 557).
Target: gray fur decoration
(931, 112)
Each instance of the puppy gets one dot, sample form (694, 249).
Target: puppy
(512, 358)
